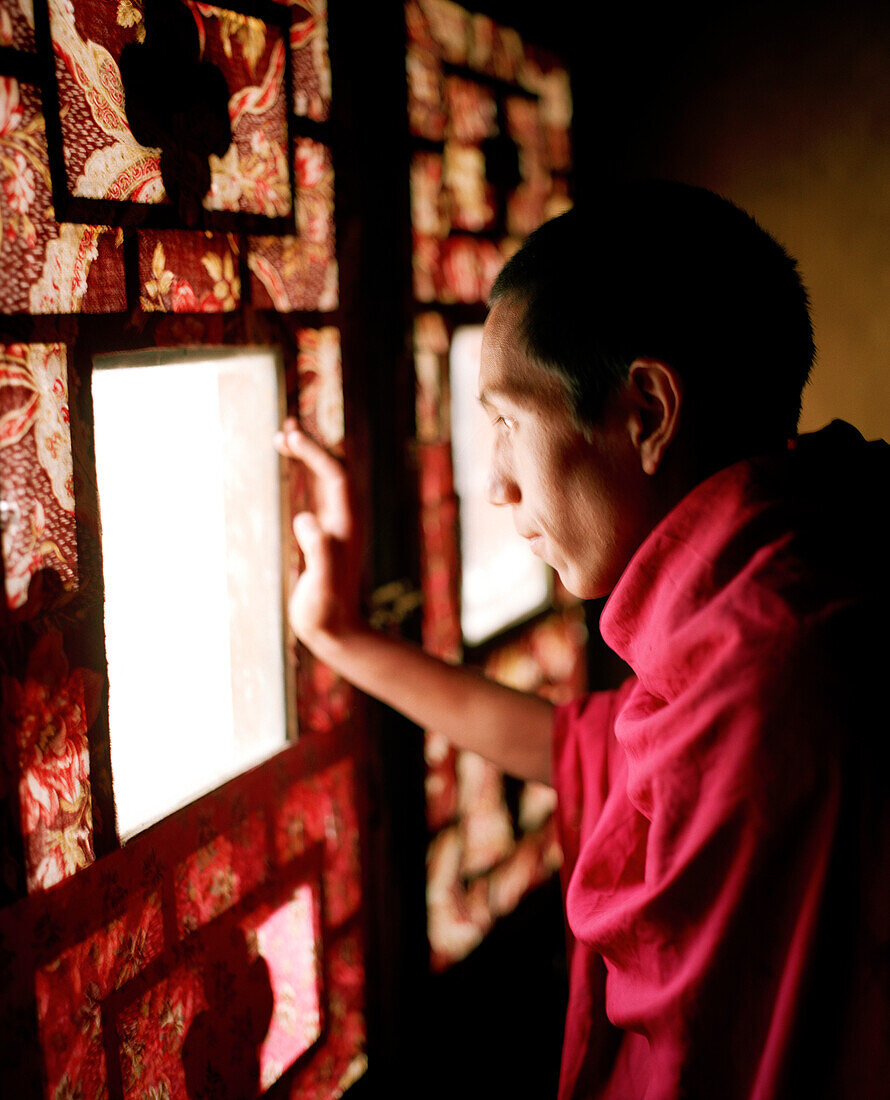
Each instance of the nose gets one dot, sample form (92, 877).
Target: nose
(501, 487)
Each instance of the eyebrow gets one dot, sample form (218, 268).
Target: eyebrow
(519, 395)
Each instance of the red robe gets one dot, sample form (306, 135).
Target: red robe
(724, 814)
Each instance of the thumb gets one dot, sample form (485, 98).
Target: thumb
(309, 534)
(313, 543)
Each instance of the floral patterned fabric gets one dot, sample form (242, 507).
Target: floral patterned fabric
(505, 153)
(485, 856)
(490, 164)
(300, 272)
(36, 469)
(223, 944)
(17, 24)
(320, 384)
(176, 277)
(253, 174)
(47, 716)
(242, 1006)
(72, 987)
(102, 158)
(48, 267)
(433, 403)
(312, 66)
(240, 991)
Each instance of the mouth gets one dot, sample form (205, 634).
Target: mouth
(535, 542)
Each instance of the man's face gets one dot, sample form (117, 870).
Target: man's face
(578, 496)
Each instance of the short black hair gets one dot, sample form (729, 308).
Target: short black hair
(664, 270)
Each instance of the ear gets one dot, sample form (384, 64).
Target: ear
(655, 393)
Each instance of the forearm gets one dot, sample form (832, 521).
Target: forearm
(510, 728)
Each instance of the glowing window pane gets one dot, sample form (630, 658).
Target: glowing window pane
(502, 582)
(191, 508)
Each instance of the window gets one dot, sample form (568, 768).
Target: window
(502, 582)
(190, 496)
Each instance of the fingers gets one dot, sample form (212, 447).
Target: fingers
(334, 511)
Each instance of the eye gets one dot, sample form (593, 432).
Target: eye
(507, 423)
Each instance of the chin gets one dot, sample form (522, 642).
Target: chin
(583, 586)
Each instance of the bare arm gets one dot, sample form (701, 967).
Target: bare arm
(510, 728)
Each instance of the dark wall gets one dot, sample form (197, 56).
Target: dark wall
(784, 108)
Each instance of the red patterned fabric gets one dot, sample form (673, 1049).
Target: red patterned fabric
(449, 26)
(483, 858)
(300, 272)
(472, 110)
(471, 197)
(240, 990)
(48, 267)
(482, 861)
(224, 943)
(102, 158)
(72, 986)
(46, 716)
(17, 25)
(181, 272)
(36, 469)
(220, 873)
(427, 116)
(433, 404)
(429, 206)
(320, 384)
(241, 1007)
(253, 174)
(456, 193)
(312, 67)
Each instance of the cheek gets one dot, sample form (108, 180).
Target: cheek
(590, 522)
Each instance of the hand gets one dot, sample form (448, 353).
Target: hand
(324, 602)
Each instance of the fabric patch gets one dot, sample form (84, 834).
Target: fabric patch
(342, 1060)
(320, 385)
(471, 196)
(440, 558)
(17, 25)
(70, 991)
(311, 64)
(241, 1007)
(449, 26)
(36, 469)
(300, 272)
(47, 715)
(102, 158)
(253, 175)
(486, 832)
(183, 272)
(433, 402)
(429, 205)
(472, 111)
(440, 783)
(48, 268)
(427, 116)
(213, 878)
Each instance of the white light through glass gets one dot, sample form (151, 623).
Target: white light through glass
(502, 582)
(190, 502)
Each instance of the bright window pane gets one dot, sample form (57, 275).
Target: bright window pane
(190, 502)
(502, 581)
